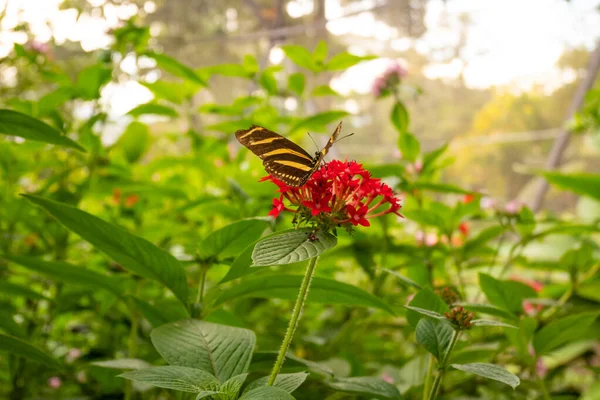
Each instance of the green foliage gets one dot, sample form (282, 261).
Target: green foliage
(175, 223)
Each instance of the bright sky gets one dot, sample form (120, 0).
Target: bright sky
(509, 42)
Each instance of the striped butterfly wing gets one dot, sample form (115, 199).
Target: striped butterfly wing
(281, 157)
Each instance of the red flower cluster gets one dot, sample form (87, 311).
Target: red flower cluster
(338, 194)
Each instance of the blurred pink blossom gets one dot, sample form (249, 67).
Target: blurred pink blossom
(54, 382)
(387, 378)
(487, 203)
(81, 377)
(73, 355)
(39, 47)
(541, 368)
(513, 207)
(390, 78)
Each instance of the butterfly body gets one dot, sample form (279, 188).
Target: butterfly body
(281, 157)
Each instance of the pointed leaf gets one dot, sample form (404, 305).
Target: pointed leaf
(320, 52)
(409, 146)
(172, 377)
(123, 363)
(345, 60)
(490, 371)
(267, 393)
(435, 336)
(486, 322)
(132, 252)
(296, 83)
(232, 239)
(14, 290)
(220, 350)
(369, 386)
(562, 330)
(508, 295)
(153, 109)
(241, 266)
(21, 348)
(287, 382)
(401, 120)
(70, 274)
(405, 281)
(301, 57)
(14, 123)
(426, 299)
(176, 68)
(233, 385)
(584, 184)
(319, 122)
(284, 286)
(291, 246)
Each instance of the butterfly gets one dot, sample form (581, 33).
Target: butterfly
(281, 157)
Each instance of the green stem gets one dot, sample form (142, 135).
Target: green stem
(200, 296)
(427, 384)
(302, 294)
(544, 389)
(442, 367)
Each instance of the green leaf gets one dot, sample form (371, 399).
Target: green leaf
(91, 79)
(369, 386)
(54, 100)
(160, 313)
(268, 82)
(324, 90)
(233, 70)
(485, 322)
(435, 336)
(134, 142)
(267, 393)
(241, 266)
(70, 274)
(284, 286)
(14, 290)
(490, 371)
(250, 64)
(428, 217)
(173, 377)
(267, 358)
(176, 68)
(583, 183)
(296, 83)
(153, 109)
(21, 348)
(232, 239)
(508, 295)
(320, 52)
(483, 237)
(400, 119)
(132, 252)
(409, 146)
(122, 363)
(319, 122)
(14, 123)
(561, 331)
(287, 382)
(207, 393)
(291, 246)
(170, 91)
(301, 57)
(220, 350)
(486, 309)
(425, 299)
(526, 222)
(345, 60)
(233, 385)
(406, 281)
(9, 325)
(439, 187)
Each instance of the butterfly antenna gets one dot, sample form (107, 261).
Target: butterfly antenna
(344, 137)
(313, 140)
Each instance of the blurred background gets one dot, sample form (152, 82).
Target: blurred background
(495, 79)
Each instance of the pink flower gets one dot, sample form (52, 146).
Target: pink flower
(54, 382)
(487, 203)
(73, 355)
(513, 207)
(387, 82)
(387, 378)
